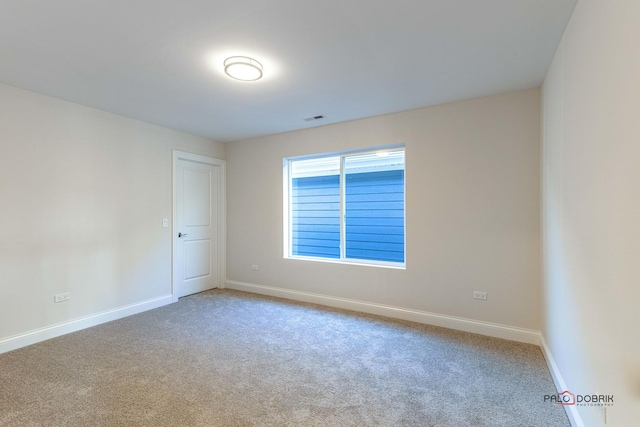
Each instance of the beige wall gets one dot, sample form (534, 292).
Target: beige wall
(591, 205)
(83, 194)
(472, 214)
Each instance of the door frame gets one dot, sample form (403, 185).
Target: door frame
(222, 210)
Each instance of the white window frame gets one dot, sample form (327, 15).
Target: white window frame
(288, 214)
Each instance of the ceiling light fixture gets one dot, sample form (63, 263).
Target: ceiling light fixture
(243, 68)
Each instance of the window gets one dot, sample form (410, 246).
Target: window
(346, 207)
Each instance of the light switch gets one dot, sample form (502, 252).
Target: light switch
(165, 222)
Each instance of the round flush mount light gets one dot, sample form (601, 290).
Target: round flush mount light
(243, 68)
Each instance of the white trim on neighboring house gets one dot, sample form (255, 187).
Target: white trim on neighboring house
(461, 324)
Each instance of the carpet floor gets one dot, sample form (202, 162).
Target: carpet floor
(228, 358)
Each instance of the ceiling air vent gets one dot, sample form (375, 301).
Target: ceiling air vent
(310, 119)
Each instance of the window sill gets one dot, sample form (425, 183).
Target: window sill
(362, 263)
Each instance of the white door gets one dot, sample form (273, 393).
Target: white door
(198, 223)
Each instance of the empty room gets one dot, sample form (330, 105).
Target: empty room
(302, 213)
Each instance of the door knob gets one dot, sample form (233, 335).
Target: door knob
(183, 234)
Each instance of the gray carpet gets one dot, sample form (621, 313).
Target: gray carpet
(227, 358)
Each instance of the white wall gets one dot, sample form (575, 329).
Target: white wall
(472, 179)
(83, 194)
(591, 202)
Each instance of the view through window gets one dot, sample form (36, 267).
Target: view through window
(347, 207)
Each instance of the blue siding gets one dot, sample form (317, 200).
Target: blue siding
(315, 222)
(375, 216)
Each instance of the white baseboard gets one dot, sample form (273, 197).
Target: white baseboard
(572, 411)
(451, 322)
(42, 334)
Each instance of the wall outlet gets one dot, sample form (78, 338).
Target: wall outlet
(480, 295)
(61, 297)
(165, 222)
(254, 267)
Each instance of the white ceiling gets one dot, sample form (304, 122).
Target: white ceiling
(160, 61)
